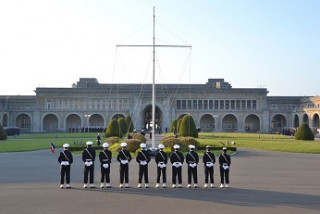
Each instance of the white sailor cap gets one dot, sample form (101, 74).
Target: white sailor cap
(89, 143)
(192, 147)
(124, 144)
(176, 146)
(161, 146)
(224, 148)
(105, 145)
(66, 145)
(143, 145)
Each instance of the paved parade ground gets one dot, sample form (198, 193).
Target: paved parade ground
(261, 182)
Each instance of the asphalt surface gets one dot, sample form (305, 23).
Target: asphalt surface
(261, 181)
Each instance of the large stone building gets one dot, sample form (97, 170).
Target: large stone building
(215, 106)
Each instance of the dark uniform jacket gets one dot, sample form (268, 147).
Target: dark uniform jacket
(174, 157)
(192, 157)
(223, 160)
(102, 156)
(206, 157)
(161, 156)
(62, 157)
(143, 157)
(86, 156)
(121, 156)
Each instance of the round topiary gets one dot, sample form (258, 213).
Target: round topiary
(178, 125)
(129, 124)
(112, 140)
(3, 134)
(123, 125)
(173, 125)
(115, 147)
(304, 133)
(186, 141)
(187, 127)
(170, 141)
(113, 129)
(139, 137)
(132, 144)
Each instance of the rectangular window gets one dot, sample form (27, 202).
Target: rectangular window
(189, 104)
(184, 104)
(210, 104)
(205, 104)
(238, 104)
(200, 104)
(249, 104)
(243, 104)
(216, 104)
(232, 104)
(178, 104)
(195, 105)
(221, 104)
(254, 104)
(227, 104)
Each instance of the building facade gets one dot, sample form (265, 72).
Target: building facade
(215, 107)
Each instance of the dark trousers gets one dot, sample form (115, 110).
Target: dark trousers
(164, 174)
(65, 172)
(208, 171)
(105, 174)
(143, 170)
(192, 172)
(176, 171)
(224, 174)
(87, 170)
(124, 173)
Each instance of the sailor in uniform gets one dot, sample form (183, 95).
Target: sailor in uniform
(143, 158)
(225, 162)
(124, 157)
(208, 159)
(105, 157)
(192, 160)
(88, 158)
(65, 159)
(176, 159)
(161, 160)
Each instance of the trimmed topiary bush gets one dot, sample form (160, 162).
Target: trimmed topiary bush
(129, 124)
(3, 134)
(112, 140)
(304, 133)
(113, 129)
(173, 125)
(123, 125)
(187, 127)
(133, 144)
(139, 137)
(186, 141)
(178, 125)
(115, 147)
(170, 141)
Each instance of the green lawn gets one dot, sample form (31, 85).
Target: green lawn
(30, 142)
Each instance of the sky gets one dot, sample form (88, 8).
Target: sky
(251, 44)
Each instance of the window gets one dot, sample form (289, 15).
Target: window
(210, 104)
(184, 104)
(216, 104)
(238, 104)
(189, 104)
(232, 104)
(243, 104)
(200, 104)
(195, 105)
(205, 104)
(221, 104)
(248, 104)
(227, 104)
(178, 104)
(254, 104)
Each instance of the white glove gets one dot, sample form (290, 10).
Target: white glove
(88, 163)
(209, 164)
(162, 165)
(143, 163)
(124, 161)
(106, 165)
(177, 164)
(225, 166)
(64, 163)
(192, 165)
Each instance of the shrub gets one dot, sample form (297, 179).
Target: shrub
(170, 141)
(123, 125)
(139, 137)
(187, 127)
(129, 124)
(3, 135)
(304, 133)
(113, 129)
(133, 144)
(186, 141)
(173, 125)
(115, 147)
(112, 140)
(178, 125)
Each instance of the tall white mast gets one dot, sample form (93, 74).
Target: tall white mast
(153, 81)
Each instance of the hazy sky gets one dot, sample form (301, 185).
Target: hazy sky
(250, 43)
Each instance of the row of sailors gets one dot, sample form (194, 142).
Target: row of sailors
(143, 158)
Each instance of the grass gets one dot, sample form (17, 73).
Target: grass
(30, 142)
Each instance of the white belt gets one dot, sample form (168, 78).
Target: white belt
(143, 163)
(192, 165)
(177, 164)
(209, 164)
(124, 161)
(65, 163)
(161, 165)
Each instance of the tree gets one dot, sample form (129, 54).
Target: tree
(113, 129)
(123, 125)
(129, 124)
(173, 125)
(3, 134)
(304, 132)
(187, 127)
